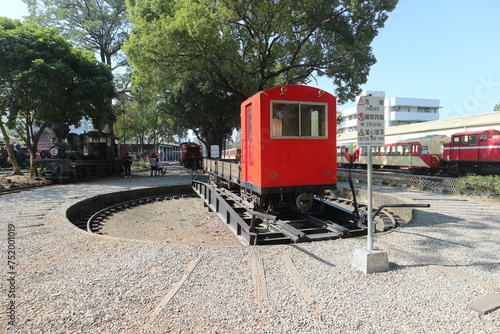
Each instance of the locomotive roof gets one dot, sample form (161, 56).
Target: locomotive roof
(491, 120)
(473, 132)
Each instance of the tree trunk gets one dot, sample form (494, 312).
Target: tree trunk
(10, 151)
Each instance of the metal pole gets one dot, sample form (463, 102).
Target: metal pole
(370, 192)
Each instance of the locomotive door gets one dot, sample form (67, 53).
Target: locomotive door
(455, 149)
(247, 145)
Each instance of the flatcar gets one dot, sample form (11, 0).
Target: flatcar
(191, 155)
(76, 156)
(286, 134)
(419, 155)
(473, 152)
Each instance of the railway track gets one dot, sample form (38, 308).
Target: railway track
(330, 218)
(95, 221)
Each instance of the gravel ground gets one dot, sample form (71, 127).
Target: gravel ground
(69, 281)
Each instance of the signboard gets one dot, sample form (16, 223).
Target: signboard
(214, 151)
(370, 115)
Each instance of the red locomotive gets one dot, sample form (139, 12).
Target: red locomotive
(191, 155)
(476, 152)
(473, 152)
(277, 125)
(277, 192)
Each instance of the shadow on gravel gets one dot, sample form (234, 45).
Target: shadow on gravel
(312, 255)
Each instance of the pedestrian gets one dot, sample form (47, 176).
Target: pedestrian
(159, 168)
(127, 165)
(152, 163)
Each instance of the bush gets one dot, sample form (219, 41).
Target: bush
(479, 185)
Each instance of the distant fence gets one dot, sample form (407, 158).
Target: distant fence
(429, 183)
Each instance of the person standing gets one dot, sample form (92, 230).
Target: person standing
(159, 168)
(152, 163)
(127, 165)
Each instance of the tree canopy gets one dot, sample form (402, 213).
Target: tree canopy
(245, 46)
(100, 26)
(44, 80)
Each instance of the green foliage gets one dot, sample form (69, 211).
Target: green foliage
(194, 103)
(247, 46)
(143, 123)
(479, 185)
(95, 25)
(44, 80)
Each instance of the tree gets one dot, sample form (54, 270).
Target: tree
(194, 103)
(247, 46)
(7, 24)
(100, 26)
(145, 123)
(43, 80)
(244, 46)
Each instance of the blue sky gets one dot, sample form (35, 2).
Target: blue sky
(439, 49)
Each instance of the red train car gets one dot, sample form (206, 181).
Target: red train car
(287, 136)
(476, 152)
(419, 155)
(191, 155)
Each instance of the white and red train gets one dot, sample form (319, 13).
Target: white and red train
(473, 152)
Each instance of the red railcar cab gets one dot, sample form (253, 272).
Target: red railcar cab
(474, 151)
(288, 140)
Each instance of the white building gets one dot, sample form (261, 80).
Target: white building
(398, 111)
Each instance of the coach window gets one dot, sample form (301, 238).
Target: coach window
(285, 121)
(425, 149)
(298, 120)
(312, 120)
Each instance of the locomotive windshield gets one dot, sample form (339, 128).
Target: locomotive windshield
(298, 119)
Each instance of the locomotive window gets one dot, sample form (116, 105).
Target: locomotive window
(495, 135)
(425, 149)
(469, 140)
(295, 119)
(456, 141)
(484, 136)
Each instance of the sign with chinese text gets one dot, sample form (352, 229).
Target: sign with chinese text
(370, 116)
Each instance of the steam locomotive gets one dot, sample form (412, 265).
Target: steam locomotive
(77, 156)
(21, 154)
